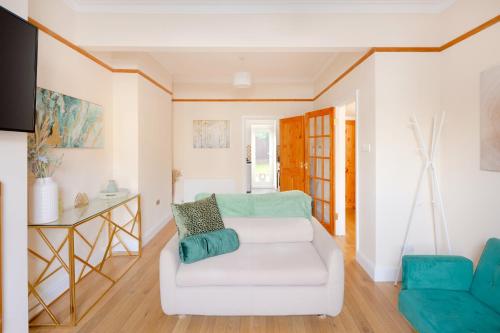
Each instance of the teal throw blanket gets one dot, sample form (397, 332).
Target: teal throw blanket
(276, 204)
(201, 246)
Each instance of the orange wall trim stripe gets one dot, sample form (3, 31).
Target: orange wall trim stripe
(362, 59)
(242, 100)
(86, 54)
(443, 47)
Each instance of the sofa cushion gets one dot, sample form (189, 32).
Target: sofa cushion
(265, 264)
(447, 311)
(486, 282)
(197, 217)
(271, 230)
(201, 246)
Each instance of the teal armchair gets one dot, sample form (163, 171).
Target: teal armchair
(441, 294)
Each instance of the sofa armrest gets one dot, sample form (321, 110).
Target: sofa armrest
(169, 264)
(437, 272)
(333, 258)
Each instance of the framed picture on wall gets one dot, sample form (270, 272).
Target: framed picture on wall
(211, 134)
(490, 119)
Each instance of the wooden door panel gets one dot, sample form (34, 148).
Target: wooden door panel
(320, 165)
(292, 154)
(350, 164)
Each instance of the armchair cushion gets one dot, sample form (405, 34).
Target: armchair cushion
(447, 311)
(486, 283)
(437, 272)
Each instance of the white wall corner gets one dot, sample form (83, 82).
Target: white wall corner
(377, 273)
(150, 234)
(366, 264)
(385, 273)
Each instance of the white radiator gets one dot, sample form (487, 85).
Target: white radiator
(191, 187)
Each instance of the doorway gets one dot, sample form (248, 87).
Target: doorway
(260, 142)
(263, 149)
(350, 174)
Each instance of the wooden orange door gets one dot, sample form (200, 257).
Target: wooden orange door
(350, 164)
(292, 154)
(320, 165)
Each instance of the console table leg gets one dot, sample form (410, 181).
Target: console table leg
(72, 286)
(139, 220)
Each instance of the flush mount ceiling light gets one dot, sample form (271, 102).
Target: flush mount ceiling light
(242, 79)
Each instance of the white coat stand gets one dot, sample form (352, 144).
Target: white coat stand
(437, 200)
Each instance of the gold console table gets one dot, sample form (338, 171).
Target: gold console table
(79, 246)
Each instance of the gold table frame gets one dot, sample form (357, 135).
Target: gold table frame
(113, 239)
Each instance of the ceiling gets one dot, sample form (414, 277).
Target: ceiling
(261, 6)
(265, 67)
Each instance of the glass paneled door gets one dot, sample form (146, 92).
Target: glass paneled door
(320, 165)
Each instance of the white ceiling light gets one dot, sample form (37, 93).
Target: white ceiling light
(242, 80)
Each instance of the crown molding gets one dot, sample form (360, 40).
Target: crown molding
(265, 7)
(95, 59)
(362, 59)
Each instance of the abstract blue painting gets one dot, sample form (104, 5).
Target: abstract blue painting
(73, 123)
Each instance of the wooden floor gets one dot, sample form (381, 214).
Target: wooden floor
(133, 304)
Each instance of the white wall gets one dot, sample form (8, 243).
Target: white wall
(86, 170)
(221, 163)
(143, 147)
(137, 151)
(63, 70)
(145, 30)
(405, 84)
(56, 15)
(257, 90)
(471, 195)
(362, 79)
(155, 157)
(13, 165)
(126, 131)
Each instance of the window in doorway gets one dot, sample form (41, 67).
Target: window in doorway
(263, 141)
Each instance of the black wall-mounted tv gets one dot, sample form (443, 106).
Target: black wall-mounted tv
(18, 61)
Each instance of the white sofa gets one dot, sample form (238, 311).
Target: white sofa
(287, 266)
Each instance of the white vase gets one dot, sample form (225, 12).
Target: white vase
(44, 201)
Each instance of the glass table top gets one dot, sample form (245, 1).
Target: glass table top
(96, 207)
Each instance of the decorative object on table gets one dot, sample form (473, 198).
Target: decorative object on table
(44, 198)
(112, 191)
(490, 119)
(428, 165)
(112, 186)
(249, 154)
(81, 200)
(211, 134)
(72, 122)
(176, 176)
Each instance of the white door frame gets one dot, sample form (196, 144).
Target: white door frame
(271, 125)
(353, 98)
(247, 120)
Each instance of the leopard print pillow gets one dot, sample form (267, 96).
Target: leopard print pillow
(197, 217)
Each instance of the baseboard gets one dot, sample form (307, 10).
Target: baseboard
(366, 264)
(385, 273)
(377, 273)
(150, 234)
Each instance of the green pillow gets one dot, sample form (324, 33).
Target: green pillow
(202, 246)
(197, 217)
